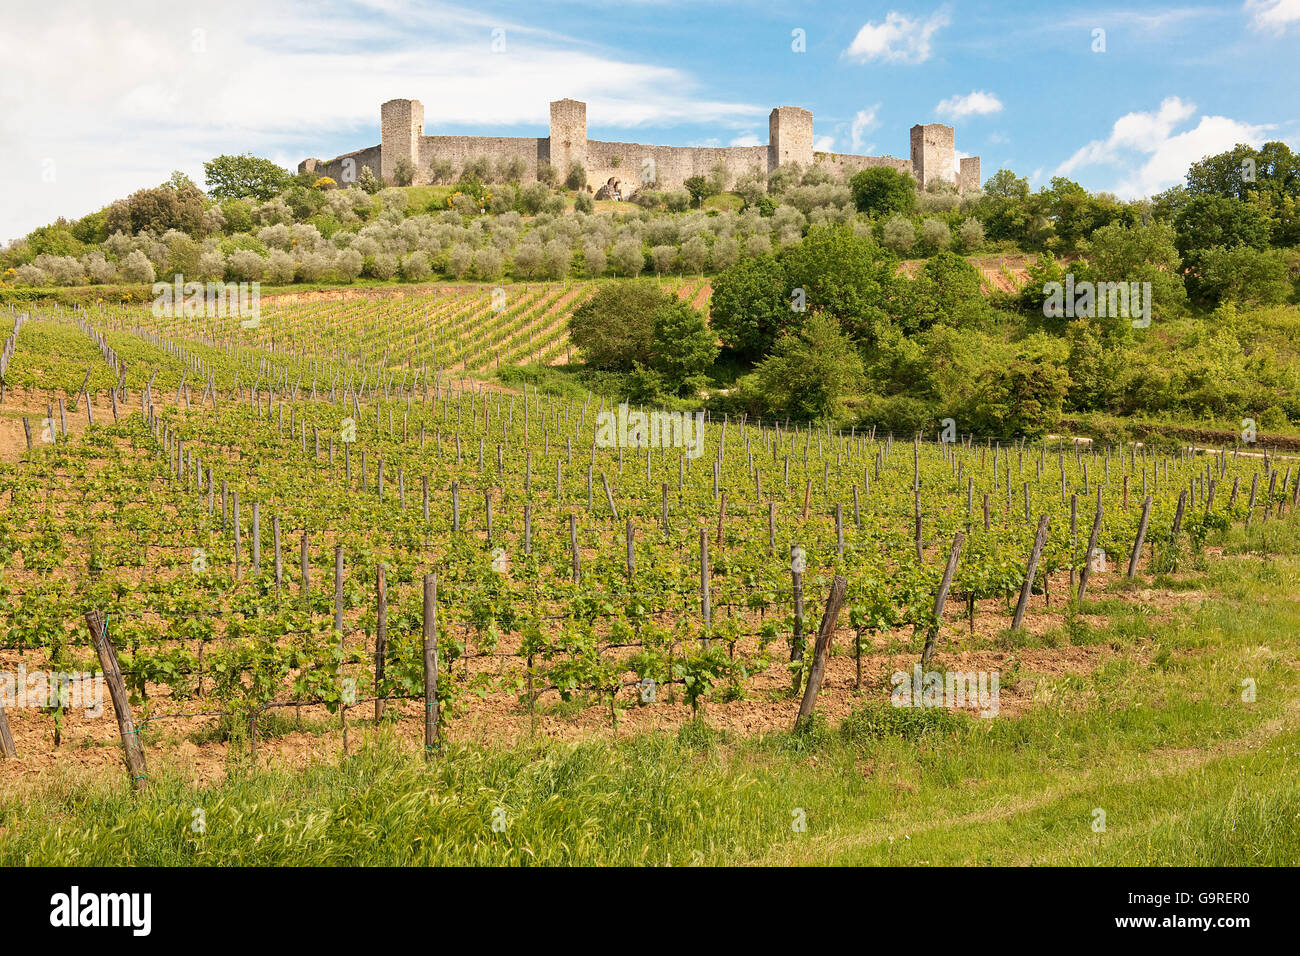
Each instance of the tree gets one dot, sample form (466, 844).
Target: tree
(576, 177)
(628, 326)
(614, 329)
(751, 305)
(694, 255)
(948, 291)
(844, 276)
(1005, 208)
(1243, 275)
(682, 345)
(810, 372)
(627, 258)
(136, 267)
(1120, 253)
(1245, 173)
(404, 172)
(899, 234)
(1022, 398)
(882, 191)
(244, 177)
(970, 235)
(1207, 221)
(698, 188)
(935, 235)
(368, 181)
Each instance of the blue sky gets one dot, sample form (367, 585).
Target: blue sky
(99, 98)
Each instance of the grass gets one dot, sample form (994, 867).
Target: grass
(1157, 743)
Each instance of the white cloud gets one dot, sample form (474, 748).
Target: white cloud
(975, 103)
(864, 121)
(749, 139)
(898, 39)
(1273, 16)
(135, 92)
(824, 144)
(1151, 154)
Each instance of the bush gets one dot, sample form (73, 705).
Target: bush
(416, 267)
(459, 259)
(899, 234)
(630, 325)
(368, 181)
(136, 267)
(383, 266)
(30, 275)
(810, 372)
(1243, 276)
(576, 178)
(970, 235)
(883, 191)
(679, 200)
(280, 267)
(244, 265)
(750, 306)
(935, 235)
(584, 203)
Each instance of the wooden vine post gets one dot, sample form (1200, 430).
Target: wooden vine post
(131, 746)
(431, 744)
(381, 638)
(1141, 536)
(825, 634)
(1040, 539)
(7, 748)
(1092, 546)
(941, 598)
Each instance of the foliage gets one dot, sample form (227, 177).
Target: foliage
(244, 177)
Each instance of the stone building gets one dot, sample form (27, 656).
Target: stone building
(619, 168)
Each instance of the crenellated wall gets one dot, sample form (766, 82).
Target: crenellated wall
(630, 165)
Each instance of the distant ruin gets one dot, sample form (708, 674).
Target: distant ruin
(621, 168)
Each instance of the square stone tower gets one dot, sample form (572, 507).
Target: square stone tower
(568, 135)
(968, 180)
(789, 137)
(401, 124)
(932, 153)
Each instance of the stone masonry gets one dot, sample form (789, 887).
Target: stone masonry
(625, 167)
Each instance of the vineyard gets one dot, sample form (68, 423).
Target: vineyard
(331, 512)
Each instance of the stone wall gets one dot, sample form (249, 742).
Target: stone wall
(673, 165)
(846, 164)
(790, 140)
(345, 169)
(459, 149)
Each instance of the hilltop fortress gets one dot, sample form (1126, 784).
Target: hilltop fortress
(621, 168)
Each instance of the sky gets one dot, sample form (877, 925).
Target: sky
(99, 98)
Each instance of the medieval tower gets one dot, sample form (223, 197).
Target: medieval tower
(618, 169)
